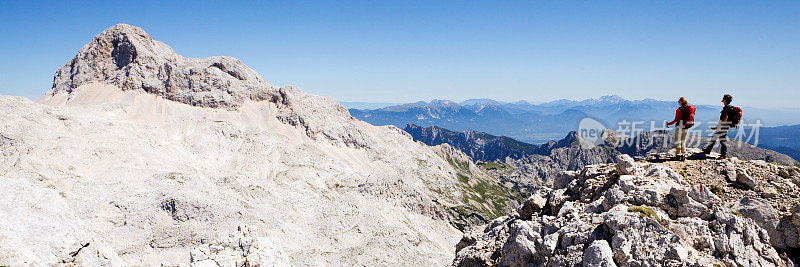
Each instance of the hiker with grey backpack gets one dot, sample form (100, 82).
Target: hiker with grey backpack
(729, 117)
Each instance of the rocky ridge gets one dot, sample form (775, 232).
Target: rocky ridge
(648, 214)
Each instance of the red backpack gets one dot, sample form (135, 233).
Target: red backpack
(735, 116)
(687, 116)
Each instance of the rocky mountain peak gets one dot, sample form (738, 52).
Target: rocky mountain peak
(127, 57)
(611, 99)
(439, 103)
(125, 41)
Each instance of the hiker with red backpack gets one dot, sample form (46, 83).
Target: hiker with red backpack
(729, 117)
(684, 118)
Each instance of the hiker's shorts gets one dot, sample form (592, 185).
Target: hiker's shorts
(680, 138)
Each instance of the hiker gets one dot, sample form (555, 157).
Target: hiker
(729, 117)
(684, 119)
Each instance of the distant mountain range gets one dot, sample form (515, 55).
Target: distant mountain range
(516, 120)
(366, 105)
(540, 123)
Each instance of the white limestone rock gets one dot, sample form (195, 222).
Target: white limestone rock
(625, 164)
(165, 157)
(630, 230)
(37, 227)
(598, 254)
(743, 178)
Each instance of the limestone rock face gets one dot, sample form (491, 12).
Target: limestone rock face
(127, 57)
(765, 216)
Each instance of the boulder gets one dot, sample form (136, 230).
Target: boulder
(677, 252)
(557, 198)
(626, 182)
(743, 178)
(520, 250)
(769, 192)
(612, 197)
(658, 170)
(598, 254)
(625, 164)
(197, 255)
(729, 170)
(783, 172)
(531, 206)
(684, 206)
(694, 231)
(562, 179)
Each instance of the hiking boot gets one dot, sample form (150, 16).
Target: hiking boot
(707, 150)
(683, 158)
(723, 157)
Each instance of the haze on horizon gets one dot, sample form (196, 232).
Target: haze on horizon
(405, 52)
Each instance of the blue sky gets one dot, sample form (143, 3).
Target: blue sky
(408, 51)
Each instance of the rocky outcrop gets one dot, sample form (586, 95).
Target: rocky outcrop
(127, 57)
(765, 192)
(241, 248)
(519, 165)
(646, 215)
(538, 169)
